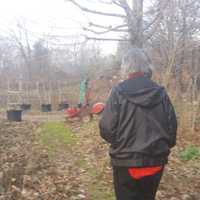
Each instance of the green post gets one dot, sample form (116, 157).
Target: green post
(83, 88)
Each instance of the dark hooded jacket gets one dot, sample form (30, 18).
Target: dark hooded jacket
(140, 124)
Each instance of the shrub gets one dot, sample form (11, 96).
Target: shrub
(190, 153)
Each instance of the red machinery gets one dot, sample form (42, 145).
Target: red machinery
(83, 106)
(74, 112)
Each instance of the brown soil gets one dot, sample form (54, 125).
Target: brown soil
(81, 171)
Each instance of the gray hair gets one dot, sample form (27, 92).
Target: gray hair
(135, 60)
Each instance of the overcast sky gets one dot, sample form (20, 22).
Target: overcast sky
(53, 17)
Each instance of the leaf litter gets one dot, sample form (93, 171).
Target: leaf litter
(32, 170)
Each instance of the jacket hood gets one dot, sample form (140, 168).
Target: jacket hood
(141, 91)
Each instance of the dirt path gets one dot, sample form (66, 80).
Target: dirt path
(15, 144)
(55, 161)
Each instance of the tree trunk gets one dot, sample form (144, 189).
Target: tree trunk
(136, 33)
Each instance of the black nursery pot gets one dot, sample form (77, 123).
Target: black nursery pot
(25, 106)
(14, 115)
(63, 106)
(46, 108)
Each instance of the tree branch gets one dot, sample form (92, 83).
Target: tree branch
(191, 3)
(130, 14)
(107, 27)
(107, 31)
(117, 3)
(158, 16)
(106, 39)
(155, 21)
(151, 33)
(105, 2)
(124, 4)
(96, 12)
(100, 26)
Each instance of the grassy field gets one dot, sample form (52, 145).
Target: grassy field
(64, 141)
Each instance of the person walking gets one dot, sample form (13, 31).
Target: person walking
(140, 124)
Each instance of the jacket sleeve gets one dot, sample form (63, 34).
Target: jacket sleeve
(172, 121)
(109, 121)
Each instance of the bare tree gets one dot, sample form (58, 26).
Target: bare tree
(132, 17)
(176, 36)
(20, 38)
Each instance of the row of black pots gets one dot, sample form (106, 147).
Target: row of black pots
(16, 115)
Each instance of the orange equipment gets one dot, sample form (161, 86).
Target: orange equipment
(98, 108)
(72, 112)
